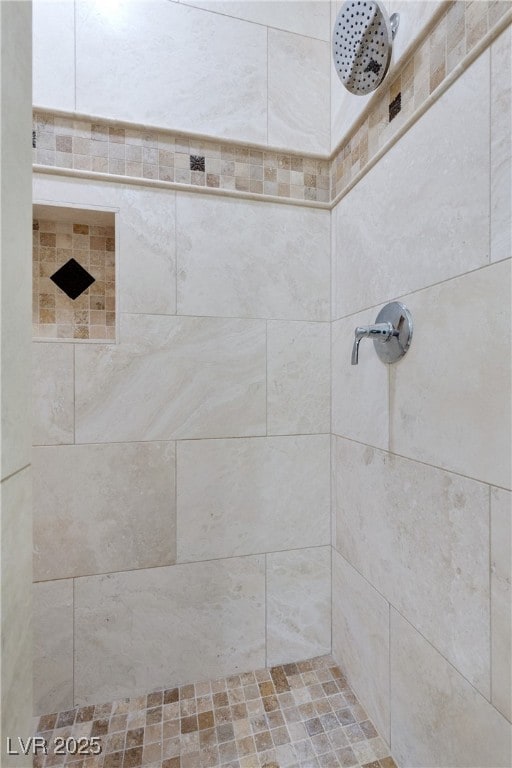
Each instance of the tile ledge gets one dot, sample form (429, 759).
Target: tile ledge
(75, 173)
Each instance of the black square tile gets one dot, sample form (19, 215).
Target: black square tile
(196, 163)
(72, 278)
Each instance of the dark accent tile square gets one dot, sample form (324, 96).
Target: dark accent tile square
(154, 716)
(85, 714)
(205, 720)
(72, 279)
(345, 716)
(134, 738)
(171, 696)
(113, 760)
(197, 163)
(313, 726)
(99, 728)
(395, 107)
(189, 724)
(34, 139)
(368, 729)
(66, 718)
(47, 722)
(132, 758)
(154, 699)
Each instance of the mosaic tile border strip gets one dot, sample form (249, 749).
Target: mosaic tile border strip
(301, 715)
(65, 142)
(85, 146)
(447, 47)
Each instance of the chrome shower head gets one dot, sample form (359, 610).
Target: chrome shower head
(362, 41)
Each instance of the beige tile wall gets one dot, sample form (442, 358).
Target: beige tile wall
(129, 479)
(421, 456)
(15, 473)
(271, 331)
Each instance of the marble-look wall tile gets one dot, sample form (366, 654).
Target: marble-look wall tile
(250, 259)
(298, 377)
(103, 508)
(298, 604)
(16, 238)
(16, 596)
(298, 92)
(53, 41)
(450, 396)
(53, 646)
(404, 526)
(147, 250)
(172, 377)
(308, 17)
(52, 394)
(167, 626)
(438, 717)
(15, 349)
(238, 497)
(426, 209)
(154, 57)
(501, 600)
(360, 408)
(360, 640)
(501, 161)
(146, 236)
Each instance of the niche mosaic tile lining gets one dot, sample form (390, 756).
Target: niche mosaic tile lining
(73, 280)
(125, 150)
(295, 715)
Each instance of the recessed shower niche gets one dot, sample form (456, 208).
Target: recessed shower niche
(74, 267)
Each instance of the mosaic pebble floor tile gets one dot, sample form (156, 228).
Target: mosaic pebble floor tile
(295, 715)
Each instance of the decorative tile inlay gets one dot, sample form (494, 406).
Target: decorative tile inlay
(159, 156)
(153, 155)
(395, 107)
(196, 163)
(73, 280)
(301, 715)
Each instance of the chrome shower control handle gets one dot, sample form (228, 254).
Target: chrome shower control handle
(381, 331)
(391, 333)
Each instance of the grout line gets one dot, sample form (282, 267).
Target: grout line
(268, 91)
(250, 21)
(139, 181)
(16, 472)
(74, 650)
(490, 158)
(176, 517)
(179, 440)
(419, 632)
(74, 50)
(490, 596)
(266, 378)
(48, 340)
(176, 260)
(419, 461)
(266, 612)
(390, 678)
(185, 563)
(415, 291)
(74, 394)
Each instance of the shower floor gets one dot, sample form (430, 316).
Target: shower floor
(302, 714)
